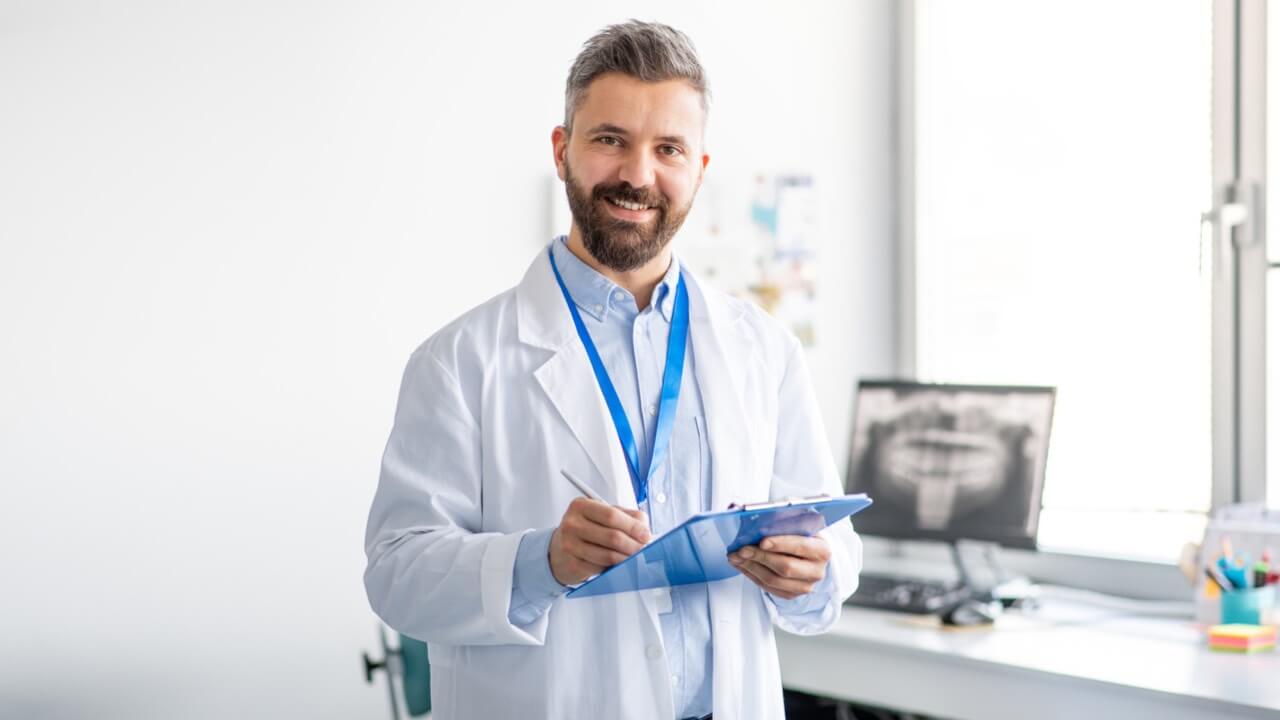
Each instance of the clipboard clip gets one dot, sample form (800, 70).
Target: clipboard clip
(785, 502)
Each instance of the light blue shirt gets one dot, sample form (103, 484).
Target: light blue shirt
(633, 345)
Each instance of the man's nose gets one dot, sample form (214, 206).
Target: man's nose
(637, 169)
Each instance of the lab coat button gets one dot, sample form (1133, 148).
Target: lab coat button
(654, 652)
(661, 497)
(675, 679)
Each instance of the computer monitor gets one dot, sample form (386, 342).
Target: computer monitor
(950, 462)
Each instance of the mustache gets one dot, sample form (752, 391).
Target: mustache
(626, 193)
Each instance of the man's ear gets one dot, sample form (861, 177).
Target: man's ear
(702, 171)
(560, 149)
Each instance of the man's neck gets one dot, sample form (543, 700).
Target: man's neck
(640, 282)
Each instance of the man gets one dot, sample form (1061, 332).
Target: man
(475, 535)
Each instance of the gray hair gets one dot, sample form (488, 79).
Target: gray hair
(651, 52)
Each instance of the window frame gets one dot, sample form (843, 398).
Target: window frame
(1240, 121)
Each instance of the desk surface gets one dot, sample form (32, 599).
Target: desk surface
(1069, 659)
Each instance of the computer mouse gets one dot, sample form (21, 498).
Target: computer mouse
(971, 612)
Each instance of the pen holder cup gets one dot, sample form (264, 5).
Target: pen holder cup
(1249, 606)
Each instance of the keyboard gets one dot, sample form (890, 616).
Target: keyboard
(908, 595)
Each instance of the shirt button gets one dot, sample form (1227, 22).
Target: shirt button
(660, 497)
(653, 410)
(599, 309)
(654, 652)
(675, 679)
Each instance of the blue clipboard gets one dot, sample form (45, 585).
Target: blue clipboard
(697, 550)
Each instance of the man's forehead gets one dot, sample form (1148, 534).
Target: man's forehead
(626, 105)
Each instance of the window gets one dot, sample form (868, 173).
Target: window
(1060, 156)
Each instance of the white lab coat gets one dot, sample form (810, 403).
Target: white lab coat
(492, 407)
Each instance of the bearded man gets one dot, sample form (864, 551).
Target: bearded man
(612, 364)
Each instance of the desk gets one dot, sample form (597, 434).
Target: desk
(1068, 660)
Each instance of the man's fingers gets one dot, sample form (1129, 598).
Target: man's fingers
(743, 566)
(586, 566)
(763, 577)
(608, 538)
(567, 566)
(595, 555)
(614, 517)
(769, 581)
(786, 566)
(813, 548)
(637, 515)
(642, 521)
(594, 535)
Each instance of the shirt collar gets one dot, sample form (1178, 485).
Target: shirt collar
(597, 295)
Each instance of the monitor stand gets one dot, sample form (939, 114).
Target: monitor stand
(1008, 590)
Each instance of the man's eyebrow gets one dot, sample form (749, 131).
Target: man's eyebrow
(616, 130)
(607, 128)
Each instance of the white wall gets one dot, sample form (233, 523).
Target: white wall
(223, 228)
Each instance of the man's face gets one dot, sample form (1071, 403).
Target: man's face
(632, 166)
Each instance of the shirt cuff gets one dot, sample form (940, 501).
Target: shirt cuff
(533, 587)
(815, 601)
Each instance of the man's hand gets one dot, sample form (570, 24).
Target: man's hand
(593, 536)
(787, 566)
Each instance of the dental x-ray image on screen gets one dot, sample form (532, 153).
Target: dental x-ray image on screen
(951, 462)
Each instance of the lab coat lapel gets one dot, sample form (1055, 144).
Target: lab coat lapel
(717, 334)
(569, 382)
(566, 377)
(716, 331)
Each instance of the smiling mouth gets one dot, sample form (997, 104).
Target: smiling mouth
(625, 205)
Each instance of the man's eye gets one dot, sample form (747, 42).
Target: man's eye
(670, 150)
(609, 140)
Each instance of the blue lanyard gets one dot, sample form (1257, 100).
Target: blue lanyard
(671, 377)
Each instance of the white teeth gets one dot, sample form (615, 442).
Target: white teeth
(629, 205)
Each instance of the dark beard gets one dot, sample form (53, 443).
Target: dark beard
(621, 245)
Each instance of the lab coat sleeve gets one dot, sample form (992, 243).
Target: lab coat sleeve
(803, 466)
(431, 573)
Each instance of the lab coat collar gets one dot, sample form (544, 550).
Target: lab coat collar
(716, 334)
(598, 296)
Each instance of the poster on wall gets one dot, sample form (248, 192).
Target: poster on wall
(784, 216)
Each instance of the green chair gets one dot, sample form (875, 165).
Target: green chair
(408, 663)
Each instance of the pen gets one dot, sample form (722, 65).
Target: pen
(582, 487)
(586, 490)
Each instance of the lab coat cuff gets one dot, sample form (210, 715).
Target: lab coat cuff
(497, 572)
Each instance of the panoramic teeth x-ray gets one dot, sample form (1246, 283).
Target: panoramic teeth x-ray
(941, 458)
